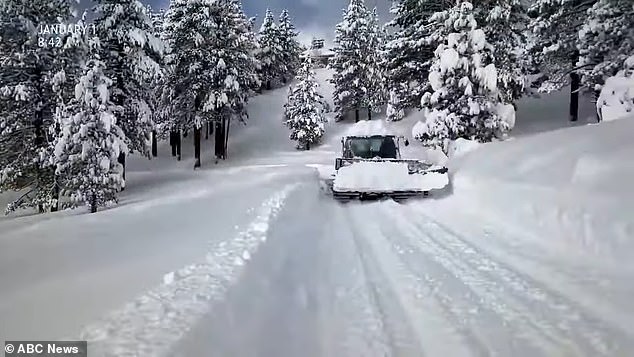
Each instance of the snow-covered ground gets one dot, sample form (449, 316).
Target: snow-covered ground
(530, 255)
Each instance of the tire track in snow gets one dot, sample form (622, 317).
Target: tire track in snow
(153, 322)
(411, 321)
(573, 320)
(525, 304)
(351, 324)
(422, 294)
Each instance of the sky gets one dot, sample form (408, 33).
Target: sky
(311, 17)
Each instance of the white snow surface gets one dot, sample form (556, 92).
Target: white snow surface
(530, 255)
(571, 185)
(616, 100)
(381, 176)
(462, 146)
(369, 128)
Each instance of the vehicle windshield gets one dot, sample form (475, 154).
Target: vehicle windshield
(371, 147)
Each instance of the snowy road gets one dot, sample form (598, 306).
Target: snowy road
(307, 276)
(249, 258)
(382, 280)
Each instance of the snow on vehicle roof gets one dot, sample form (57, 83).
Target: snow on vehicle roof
(369, 128)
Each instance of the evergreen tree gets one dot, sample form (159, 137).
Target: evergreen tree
(90, 143)
(291, 49)
(131, 54)
(606, 40)
(504, 23)
(464, 85)
(28, 101)
(271, 54)
(377, 91)
(555, 25)
(156, 83)
(212, 67)
(407, 54)
(304, 110)
(351, 61)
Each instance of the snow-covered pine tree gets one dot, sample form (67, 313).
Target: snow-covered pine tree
(246, 52)
(606, 40)
(28, 100)
(505, 24)
(407, 55)
(271, 53)
(212, 67)
(90, 143)
(555, 25)
(192, 36)
(395, 108)
(155, 84)
(351, 60)
(304, 109)
(291, 49)
(377, 92)
(464, 85)
(131, 53)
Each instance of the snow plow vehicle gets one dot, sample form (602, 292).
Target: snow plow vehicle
(371, 167)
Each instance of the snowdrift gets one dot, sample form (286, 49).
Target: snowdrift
(572, 188)
(382, 177)
(616, 100)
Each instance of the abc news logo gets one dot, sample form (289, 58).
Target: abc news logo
(45, 349)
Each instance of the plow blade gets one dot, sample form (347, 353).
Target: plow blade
(367, 196)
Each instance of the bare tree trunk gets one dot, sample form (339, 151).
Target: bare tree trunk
(575, 82)
(173, 142)
(207, 131)
(197, 135)
(596, 95)
(356, 115)
(178, 145)
(227, 125)
(268, 85)
(369, 113)
(55, 207)
(121, 160)
(219, 138)
(93, 204)
(154, 144)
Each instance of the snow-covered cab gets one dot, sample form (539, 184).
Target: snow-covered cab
(371, 166)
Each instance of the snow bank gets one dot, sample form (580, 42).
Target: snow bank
(462, 146)
(369, 128)
(617, 98)
(368, 176)
(570, 188)
(507, 113)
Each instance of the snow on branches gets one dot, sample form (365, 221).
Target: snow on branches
(463, 81)
(304, 109)
(358, 77)
(606, 41)
(90, 142)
